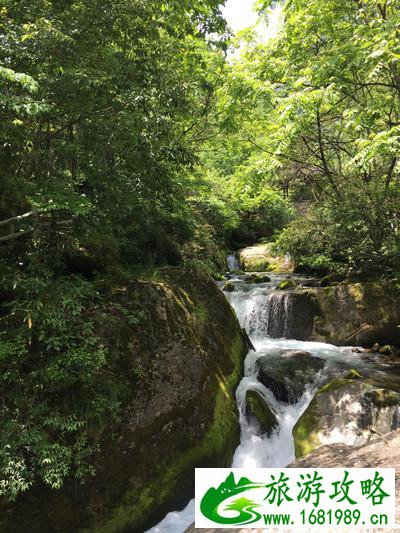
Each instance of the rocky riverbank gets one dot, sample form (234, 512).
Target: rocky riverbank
(350, 314)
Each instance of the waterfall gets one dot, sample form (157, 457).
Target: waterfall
(262, 311)
(233, 262)
(266, 313)
(278, 315)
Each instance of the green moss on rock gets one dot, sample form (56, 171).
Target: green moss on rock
(385, 397)
(347, 406)
(305, 441)
(369, 313)
(286, 284)
(257, 407)
(229, 286)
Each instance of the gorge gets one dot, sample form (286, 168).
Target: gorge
(143, 142)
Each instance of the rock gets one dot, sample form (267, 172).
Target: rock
(332, 279)
(376, 347)
(369, 313)
(257, 407)
(259, 258)
(386, 350)
(348, 411)
(300, 313)
(176, 368)
(310, 282)
(237, 272)
(229, 287)
(257, 278)
(381, 452)
(287, 373)
(286, 284)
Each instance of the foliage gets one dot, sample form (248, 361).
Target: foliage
(102, 106)
(53, 381)
(315, 113)
(141, 145)
(101, 126)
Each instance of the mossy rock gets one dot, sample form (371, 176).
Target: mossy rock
(255, 258)
(386, 350)
(332, 279)
(257, 278)
(287, 284)
(346, 410)
(229, 286)
(217, 276)
(260, 258)
(260, 265)
(369, 313)
(385, 397)
(256, 406)
(177, 414)
(288, 372)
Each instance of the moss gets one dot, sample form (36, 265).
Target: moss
(357, 292)
(200, 313)
(305, 440)
(386, 350)
(217, 276)
(288, 283)
(260, 410)
(219, 442)
(353, 374)
(385, 397)
(333, 385)
(258, 265)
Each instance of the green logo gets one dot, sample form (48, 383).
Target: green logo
(245, 508)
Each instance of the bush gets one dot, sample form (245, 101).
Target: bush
(53, 372)
(349, 237)
(260, 217)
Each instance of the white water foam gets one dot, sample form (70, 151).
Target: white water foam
(176, 522)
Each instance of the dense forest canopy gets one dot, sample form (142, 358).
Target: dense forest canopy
(315, 114)
(141, 142)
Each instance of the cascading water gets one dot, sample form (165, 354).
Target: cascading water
(262, 311)
(266, 313)
(232, 262)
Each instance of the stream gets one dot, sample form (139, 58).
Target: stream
(265, 312)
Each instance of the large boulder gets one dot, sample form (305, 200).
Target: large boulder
(257, 407)
(177, 353)
(259, 258)
(348, 411)
(357, 314)
(288, 372)
(381, 452)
